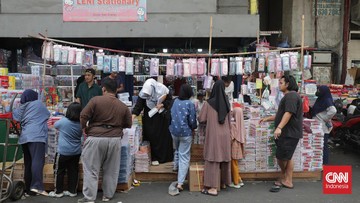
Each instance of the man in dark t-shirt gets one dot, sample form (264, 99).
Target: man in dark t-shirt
(119, 81)
(288, 123)
(88, 89)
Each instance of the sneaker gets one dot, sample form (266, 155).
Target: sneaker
(53, 194)
(67, 193)
(84, 200)
(105, 199)
(235, 186)
(155, 163)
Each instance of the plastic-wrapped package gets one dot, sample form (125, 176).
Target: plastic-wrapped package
(179, 68)
(122, 64)
(248, 64)
(89, 58)
(201, 66)
(114, 63)
(137, 66)
(48, 51)
(107, 64)
(129, 70)
(57, 53)
(80, 56)
(170, 65)
(186, 63)
(147, 63)
(72, 55)
(215, 66)
(193, 66)
(100, 60)
(207, 82)
(154, 67)
(224, 67)
(64, 54)
(307, 61)
(293, 60)
(239, 70)
(271, 63)
(285, 59)
(278, 64)
(232, 66)
(261, 64)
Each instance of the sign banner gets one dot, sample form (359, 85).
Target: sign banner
(104, 10)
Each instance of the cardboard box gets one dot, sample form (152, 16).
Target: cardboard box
(197, 153)
(196, 177)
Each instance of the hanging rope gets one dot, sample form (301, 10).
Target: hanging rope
(169, 55)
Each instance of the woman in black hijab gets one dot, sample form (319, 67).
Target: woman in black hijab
(219, 101)
(217, 148)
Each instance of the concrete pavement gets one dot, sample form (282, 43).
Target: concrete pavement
(304, 191)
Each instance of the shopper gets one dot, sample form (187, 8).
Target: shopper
(107, 117)
(156, 128)
(237, 146)
(229, 87)
(88, 89)
(120, 84)
(33, 117)
(217, 152)
(199, 101)
(78, 82)
(68, 152)
(288, 123)
(183, 123)
(323, 111)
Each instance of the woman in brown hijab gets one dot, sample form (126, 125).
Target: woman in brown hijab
(217, 148)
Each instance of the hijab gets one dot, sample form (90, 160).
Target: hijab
(185, 92)
(152, 91)
(323, 101)
(28, 96)
(219, 101)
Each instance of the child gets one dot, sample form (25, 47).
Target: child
(68, 151)
(183, 122)
(237, 146)
(33, 116)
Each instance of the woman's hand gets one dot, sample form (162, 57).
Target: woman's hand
(159, 106)
(263, 120)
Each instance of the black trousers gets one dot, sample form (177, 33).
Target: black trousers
(66, 165)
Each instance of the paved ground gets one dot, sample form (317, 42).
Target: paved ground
(304, 191)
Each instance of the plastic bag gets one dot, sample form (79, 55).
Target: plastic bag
(306, 107)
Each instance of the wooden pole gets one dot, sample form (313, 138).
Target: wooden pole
(302, 52)
(72, 83)
(210, 44)
(210, 41)
(44, 66)
(302, 43)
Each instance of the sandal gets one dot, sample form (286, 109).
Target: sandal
(275, 188)
(285, 186)
(206, 192)
(179, 187)
(40, 192)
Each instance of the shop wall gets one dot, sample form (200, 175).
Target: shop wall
(166, 18)
(329, 26)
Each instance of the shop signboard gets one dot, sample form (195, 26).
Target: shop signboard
(104, 10)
